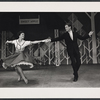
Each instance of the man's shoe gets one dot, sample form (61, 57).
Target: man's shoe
(75, 78)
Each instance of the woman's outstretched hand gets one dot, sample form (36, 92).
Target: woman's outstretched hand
(6, 42)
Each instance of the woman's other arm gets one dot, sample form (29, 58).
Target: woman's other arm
(12, 42)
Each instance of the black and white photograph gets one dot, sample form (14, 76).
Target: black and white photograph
(48, 48)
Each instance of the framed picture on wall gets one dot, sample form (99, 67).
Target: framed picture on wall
(52, 75)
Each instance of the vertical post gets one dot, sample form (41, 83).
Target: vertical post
(72, 21)
(93, 38)
(39, 18)
(57, 60)
(3, 46)
(49, 55)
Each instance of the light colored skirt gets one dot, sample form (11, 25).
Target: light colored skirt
(19, 58)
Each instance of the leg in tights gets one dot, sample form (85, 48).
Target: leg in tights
(22, 74)
(19, 79)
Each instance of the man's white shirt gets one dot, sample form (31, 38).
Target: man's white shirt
(71, 34)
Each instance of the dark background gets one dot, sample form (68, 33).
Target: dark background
(9, 21)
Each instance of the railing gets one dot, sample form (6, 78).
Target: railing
(55, 53)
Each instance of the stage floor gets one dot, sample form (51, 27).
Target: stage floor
(51, 76)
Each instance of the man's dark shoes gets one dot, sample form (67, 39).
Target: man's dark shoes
(75, 78)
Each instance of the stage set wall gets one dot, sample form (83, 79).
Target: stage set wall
(51, 25)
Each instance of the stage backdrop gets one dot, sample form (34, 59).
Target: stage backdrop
(55, 53)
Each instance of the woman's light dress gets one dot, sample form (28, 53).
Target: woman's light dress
(20, 57)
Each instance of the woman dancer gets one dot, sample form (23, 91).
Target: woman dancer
(20, 57)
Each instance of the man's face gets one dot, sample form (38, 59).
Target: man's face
(67, 28)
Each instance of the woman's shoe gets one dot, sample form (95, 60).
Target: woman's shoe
(4, 65)
(26, 81)
(19, 79)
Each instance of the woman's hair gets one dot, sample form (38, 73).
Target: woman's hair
(19, 33)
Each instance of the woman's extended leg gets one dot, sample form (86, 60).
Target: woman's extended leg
(22, 74)
(19, 78)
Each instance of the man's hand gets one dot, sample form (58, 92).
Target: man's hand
(46, 40)
(90, 33)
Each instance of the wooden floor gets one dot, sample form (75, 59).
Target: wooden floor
(51, 76)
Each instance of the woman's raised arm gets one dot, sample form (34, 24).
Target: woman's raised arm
(9, 42)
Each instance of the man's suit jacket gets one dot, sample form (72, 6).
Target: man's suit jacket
(71, 44)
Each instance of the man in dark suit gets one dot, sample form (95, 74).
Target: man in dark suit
(72, 47)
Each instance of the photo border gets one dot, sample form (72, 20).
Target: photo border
(50, 92)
